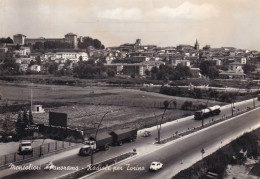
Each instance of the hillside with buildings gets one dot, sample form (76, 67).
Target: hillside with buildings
(73, 55)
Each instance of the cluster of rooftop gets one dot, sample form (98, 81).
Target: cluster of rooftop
(136, 58)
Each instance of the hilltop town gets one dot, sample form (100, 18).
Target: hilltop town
(63, 56)
(129, 89)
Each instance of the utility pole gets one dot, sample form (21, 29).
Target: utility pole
(31, 98)
(202, 152)
(160, 126)
(232, 108)
(233, 104)
(91, 153)
(202, 121)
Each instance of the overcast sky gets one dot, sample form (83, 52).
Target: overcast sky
(160, 22)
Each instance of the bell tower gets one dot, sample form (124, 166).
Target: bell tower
(197, 46)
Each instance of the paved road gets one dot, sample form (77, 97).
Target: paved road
(184, 150)
(12, 147)
(142, 145)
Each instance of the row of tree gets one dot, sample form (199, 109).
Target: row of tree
(187, 105)
(168, 72)
(92, 70)
(88, 42)
(24, 120)
(7, 40)
(8, 65)
(200, 93)
(84, 44)
(52, 45)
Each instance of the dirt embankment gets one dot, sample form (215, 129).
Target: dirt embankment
(235, 153)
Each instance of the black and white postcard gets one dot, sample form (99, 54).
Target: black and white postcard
(132, 89)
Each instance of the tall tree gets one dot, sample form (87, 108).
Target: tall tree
(19, 126)
(38, 60)
(7, 125)
(25, 117)
(88, 41)
(9, 67)
(31, 121)
(183, 70)
(52, 67)
(7, 40)
(207, 68)
(38, 46)
(175, 104)
(166, 104)
(248, 68)
(19, 117)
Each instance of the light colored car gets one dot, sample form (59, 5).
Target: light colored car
(156, 166)
(25, 147)
(49, 166)
(147, 133)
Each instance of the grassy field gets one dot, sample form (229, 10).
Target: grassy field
(86, 105)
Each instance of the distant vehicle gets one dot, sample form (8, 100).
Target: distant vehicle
(49, 166)
(156, 166)
(6, 138)
(147, 133)
(204, 113)
(105, 140)
(25, 147)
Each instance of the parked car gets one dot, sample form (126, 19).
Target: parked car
(156, 166)
(6, 138)
(25, 147)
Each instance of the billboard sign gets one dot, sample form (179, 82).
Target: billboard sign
(58, 119)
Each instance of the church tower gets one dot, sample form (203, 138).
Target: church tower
(137, 44)
(197, 46)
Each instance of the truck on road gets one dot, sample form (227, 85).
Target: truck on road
(204, 113)
(104, 140)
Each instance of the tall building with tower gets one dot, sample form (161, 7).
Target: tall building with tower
(197, 46)
(71, 38)
(138, 43)
(131, 47)
(21, 39)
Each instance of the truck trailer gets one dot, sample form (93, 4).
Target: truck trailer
(105, 140)
(123, 135)
(102, 142)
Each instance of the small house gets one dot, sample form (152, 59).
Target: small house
(37, 109)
